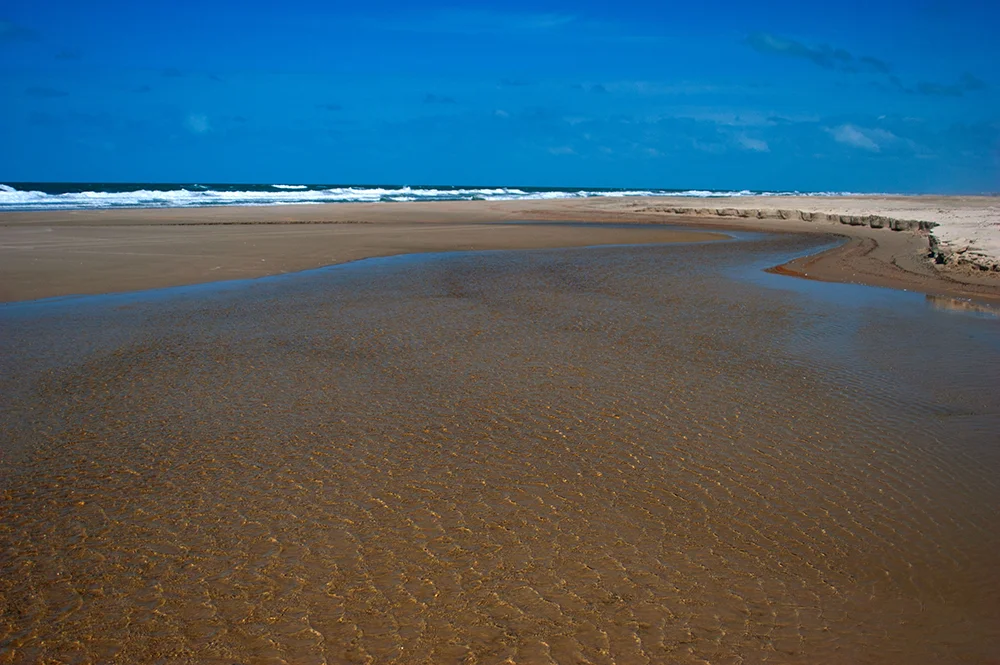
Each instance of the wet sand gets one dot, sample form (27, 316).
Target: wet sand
(606, 455)
(86, 259)
(45, 254)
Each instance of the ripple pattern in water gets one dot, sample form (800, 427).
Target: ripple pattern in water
(613, 455)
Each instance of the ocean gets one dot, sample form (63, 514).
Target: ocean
(20, 196)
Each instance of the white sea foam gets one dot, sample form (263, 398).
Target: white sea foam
(199, 195)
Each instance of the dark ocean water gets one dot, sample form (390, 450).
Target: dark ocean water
(99, 195)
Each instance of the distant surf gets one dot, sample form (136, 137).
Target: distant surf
(19, 196)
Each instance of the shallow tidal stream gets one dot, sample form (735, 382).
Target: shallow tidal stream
(604, 455)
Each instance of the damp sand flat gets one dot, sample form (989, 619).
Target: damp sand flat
(67, 252)
(629, 454)
(93, 252)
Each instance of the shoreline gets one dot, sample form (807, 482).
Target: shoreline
(87, 252)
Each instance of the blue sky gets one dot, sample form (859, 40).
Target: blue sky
(861, 96)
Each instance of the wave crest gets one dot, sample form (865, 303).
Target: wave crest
(199, 195)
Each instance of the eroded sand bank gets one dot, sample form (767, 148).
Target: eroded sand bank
(964, 230)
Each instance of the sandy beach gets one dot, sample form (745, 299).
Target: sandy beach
(58, 253)
(641, 441)
(446, 333)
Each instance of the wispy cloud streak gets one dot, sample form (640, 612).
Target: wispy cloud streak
(12, 32)
(482, 22)
(872, 140)
(838, 59)
(42, 92)
(967, 83)
(824, 55)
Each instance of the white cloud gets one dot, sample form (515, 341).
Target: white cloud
(756, 145)
(562, 150)
(197, 123)
(872, 140)
(882, 136)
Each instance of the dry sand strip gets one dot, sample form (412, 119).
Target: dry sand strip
(58, 253)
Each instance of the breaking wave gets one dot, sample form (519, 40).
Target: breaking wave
(57, 196)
